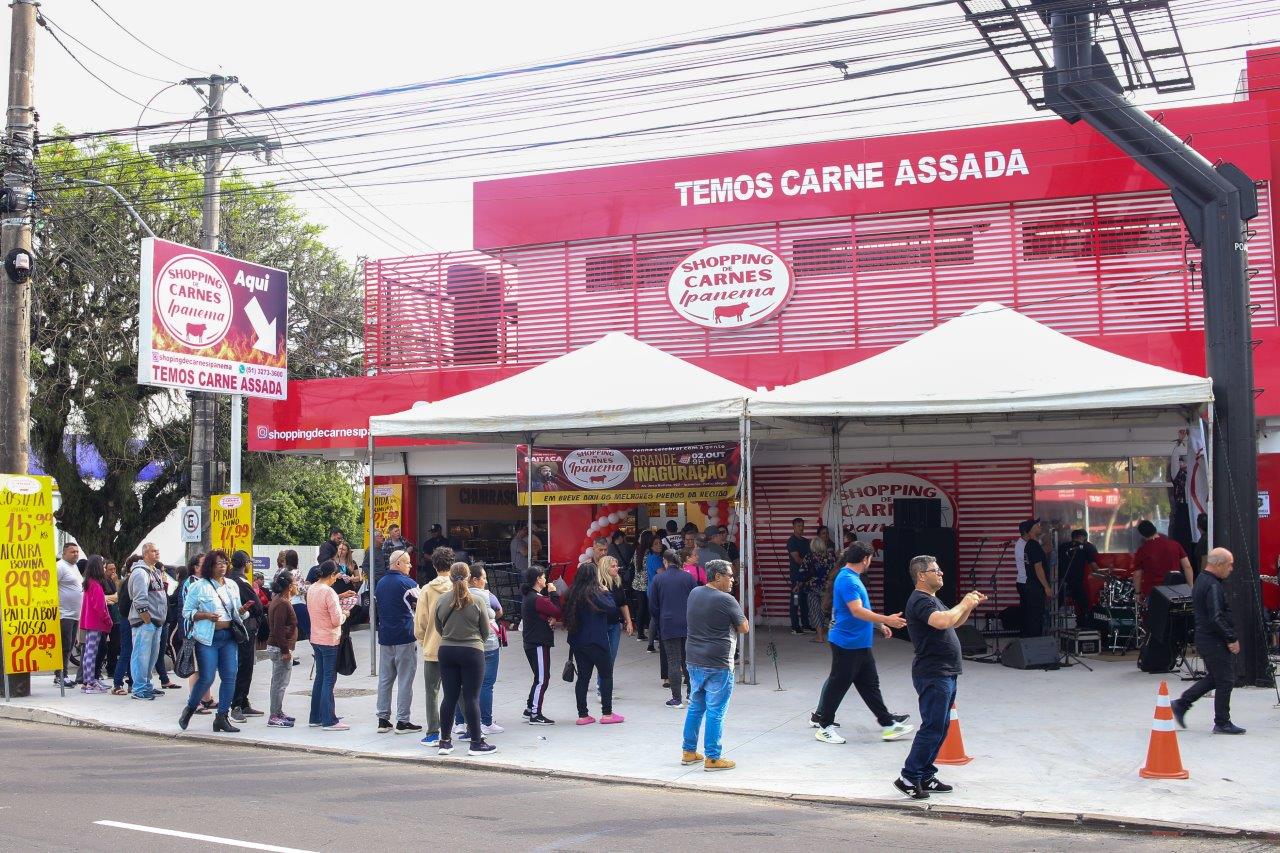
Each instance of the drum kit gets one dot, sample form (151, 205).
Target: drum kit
(1117, 610)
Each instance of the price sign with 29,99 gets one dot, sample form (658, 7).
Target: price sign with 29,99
(28, 575)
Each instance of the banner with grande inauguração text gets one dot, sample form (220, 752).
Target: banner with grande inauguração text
(588, 475)
(28, 575)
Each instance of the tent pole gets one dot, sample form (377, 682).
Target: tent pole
(835, 524)
(528, 483)
(746, 521)
(1209, 450)
(373, 572)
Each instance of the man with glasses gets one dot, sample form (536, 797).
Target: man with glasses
(715, 620)
(933, 672)
(397, 647)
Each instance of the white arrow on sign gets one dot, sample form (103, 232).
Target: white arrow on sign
(266, 331)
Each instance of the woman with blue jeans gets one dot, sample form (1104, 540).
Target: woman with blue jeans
(327, 616)
(210, 607)
(611, 581)
(480, 592)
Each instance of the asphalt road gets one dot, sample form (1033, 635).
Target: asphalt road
(57, 785)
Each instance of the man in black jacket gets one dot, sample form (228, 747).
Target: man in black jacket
(1216, 641)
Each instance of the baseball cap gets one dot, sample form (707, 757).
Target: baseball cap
(713, 530)
(435, 528)
(1025, 527)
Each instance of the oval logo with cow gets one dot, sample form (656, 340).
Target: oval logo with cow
(730, 286)
(596, 467)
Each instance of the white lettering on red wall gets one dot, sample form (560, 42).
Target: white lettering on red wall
(945, 167)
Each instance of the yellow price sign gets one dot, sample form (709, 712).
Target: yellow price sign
(32, 640)
(231, 524)
(388, 508)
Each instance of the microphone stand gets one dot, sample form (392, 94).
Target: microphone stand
(997, 655)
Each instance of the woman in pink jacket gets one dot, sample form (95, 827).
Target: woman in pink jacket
(95, 622)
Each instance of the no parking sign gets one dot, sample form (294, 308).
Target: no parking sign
(191, 523)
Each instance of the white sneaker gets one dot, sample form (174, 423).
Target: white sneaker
(828, 735)
(494, 729)
(460, 729)
(895, 731)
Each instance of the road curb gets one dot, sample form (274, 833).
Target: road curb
(941, 811)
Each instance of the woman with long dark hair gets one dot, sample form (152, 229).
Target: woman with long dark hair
(652, 565)
(588, 610)
(95, 622)
(539, 606)
(282, 636)
(640, 585)
(299, 599)
(209, 609)
(463, 625)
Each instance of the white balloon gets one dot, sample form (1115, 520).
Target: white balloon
(613, 518)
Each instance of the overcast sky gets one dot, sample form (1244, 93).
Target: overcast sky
(291, 51)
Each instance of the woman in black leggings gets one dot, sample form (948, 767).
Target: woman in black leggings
(588, 610)
(540, 605)
(463, 624)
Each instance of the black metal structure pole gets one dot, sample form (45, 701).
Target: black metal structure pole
(1215, 202)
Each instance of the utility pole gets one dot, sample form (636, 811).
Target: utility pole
(15, 248)
(206, 464)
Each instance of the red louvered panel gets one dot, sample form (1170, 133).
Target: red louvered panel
(1085, 266)
(990, 498)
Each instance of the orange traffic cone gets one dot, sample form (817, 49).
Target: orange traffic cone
(952, 751)
(1163, 759)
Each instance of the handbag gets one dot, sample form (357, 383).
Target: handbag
(238, 632)
(569, 673)
(184, 665)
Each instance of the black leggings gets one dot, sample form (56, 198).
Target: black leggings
(640, 611)
(540, 662)
(461, 672)
(586, 658)
(852, 668)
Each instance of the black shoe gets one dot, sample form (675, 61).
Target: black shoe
(527, 712)
(539, 720)
(796, 631)
(384, 725)
(481, 748)
(221, 724)
(237, 715)
(815, 724)
(1228, 729)
(185, 717)
(1179, 711)
(911, 789)
(899, 718)
(250, 711)
(445, 747)
(934, 786)
(407, 728)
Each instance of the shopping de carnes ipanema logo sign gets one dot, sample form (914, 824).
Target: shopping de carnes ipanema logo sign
(730, 286)
(210, 322)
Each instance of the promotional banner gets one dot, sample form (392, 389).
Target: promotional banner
(388, 508)
(231, 523)
(209, 322)
(28, 575)
(590, 475)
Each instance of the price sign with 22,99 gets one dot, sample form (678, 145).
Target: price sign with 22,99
(28, 575)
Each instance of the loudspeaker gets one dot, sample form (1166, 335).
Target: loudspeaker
(972, 642)
(1169, 613)
(917, 512)
(1157, 656)
(1031, 653)
(903, 543)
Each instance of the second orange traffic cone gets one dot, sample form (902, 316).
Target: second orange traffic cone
(952, 751)
(1164, 761)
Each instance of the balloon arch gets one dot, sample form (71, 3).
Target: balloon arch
(610, 516)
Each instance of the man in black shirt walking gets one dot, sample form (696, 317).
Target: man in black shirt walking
(1216, 641)
(933, 672)
(798, 551)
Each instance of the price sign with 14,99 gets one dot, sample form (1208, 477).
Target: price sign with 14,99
(28, 575)
(231, 523)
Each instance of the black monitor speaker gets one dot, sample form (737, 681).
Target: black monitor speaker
(903, 543)
(1168, 608)
(917, 512)
(1031, 653)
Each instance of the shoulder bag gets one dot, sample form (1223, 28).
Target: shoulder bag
(238, 630)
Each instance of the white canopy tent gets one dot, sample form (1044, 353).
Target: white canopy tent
(616, 390)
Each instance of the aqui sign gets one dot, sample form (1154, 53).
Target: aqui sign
(730, 286)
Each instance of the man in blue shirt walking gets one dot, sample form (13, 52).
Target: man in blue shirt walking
(853, 627)
(397, 647)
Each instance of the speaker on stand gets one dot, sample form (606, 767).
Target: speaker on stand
(903, 543)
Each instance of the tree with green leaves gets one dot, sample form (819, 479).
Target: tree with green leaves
(85, 329)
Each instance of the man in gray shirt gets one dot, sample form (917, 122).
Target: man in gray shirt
(147, 613)
(715, 620)
(711, 545)
(70, 596)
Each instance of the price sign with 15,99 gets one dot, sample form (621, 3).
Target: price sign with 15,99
(28, 575)
(231, 523)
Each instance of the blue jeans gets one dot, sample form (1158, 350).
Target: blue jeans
(486, 691)
(614, 633)
(323, 711)
(220, 658)
(936, 695)
(709, 692)
(124, 660)
(142, 659)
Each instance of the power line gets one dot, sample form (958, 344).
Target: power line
(45, 18)
(131, 35)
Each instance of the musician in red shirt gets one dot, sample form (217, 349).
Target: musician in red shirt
(1157, 556)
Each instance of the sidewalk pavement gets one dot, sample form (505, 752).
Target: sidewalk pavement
(1060, 746)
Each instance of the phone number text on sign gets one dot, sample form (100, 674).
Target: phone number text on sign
(28, 575)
